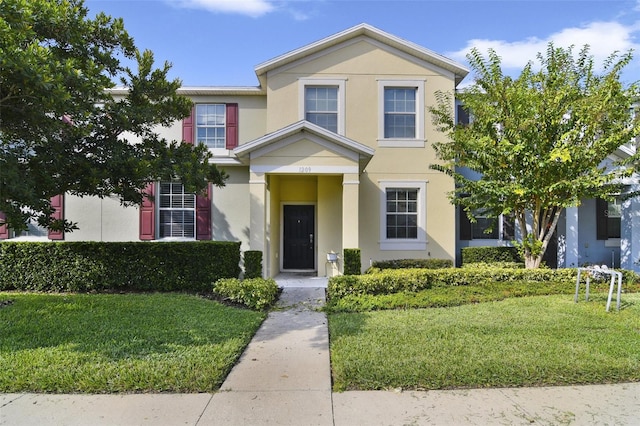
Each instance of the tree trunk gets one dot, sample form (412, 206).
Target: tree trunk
(531, 261)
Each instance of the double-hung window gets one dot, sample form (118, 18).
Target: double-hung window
(210, 125)
(321, 106)
(322, 103)
(402, 215)
(486, 227)
(177, 211)
(401, 113)
(609, 220)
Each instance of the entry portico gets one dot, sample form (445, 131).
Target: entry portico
(304, 195)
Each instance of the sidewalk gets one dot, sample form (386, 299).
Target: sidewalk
(284, 378)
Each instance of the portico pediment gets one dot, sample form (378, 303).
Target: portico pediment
(304, 147)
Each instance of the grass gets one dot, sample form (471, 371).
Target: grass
(102, 343)
(528, 341)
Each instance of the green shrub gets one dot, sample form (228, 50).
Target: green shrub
(115, 266)
(490, 255)
(413, 263)
(253, 264)
(412, 280)
(352, 261)
(505, 265)
(255, 293)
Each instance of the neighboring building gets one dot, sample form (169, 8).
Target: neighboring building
(330, 151)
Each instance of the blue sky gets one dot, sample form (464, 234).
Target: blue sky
(219, 42)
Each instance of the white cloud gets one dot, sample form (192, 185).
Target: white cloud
(603, 39)
(253, 8)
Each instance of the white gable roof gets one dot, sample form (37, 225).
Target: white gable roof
(334, 141)
(460, 71)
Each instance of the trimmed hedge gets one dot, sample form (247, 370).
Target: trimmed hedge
(352, 261)
(412, 263)
(491, 255)
(255, 293)
(109, 266)
(413, 280)
(253, 264)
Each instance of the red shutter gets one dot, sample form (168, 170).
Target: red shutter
(4, 229)
(203, 215)
(187, 127)
(232, 126)
(148, 215)
(203, 202)
(57, 202)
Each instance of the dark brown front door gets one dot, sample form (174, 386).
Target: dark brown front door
(298, 237)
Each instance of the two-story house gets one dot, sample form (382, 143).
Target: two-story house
(330, 151)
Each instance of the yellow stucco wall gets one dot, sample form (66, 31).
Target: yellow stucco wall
(361, 65)
(100, 219)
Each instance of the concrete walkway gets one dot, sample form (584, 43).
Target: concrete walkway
(284, 378)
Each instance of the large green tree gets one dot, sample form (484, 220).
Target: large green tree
(63, 131)
(539, 142)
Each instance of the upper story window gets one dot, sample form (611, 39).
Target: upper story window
(322, 103)
(321, 107)
(211, 125)
(402, 215)
(401, 113)
(177, 211)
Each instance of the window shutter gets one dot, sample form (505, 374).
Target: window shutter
(148, 215)
(465, 224)
(4, 229)
(187, 127)
(203, 215)
(601, 219)
(57, 202)
(232, 126)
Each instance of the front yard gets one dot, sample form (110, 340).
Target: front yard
(102, 343)
(527, 341)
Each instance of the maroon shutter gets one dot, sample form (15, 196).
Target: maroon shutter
(187, 127)
(148, 215)
(232, 126)
(203, 215)
(57, 202)
(203, 202)
(4, 229)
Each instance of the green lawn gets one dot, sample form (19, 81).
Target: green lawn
(529, 341)
(119, 343)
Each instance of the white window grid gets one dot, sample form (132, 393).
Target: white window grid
(321, 106)
(211, 123)
(177, 211)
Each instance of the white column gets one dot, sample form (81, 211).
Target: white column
(257, 210)
(630, 233)
(570, 245)
(350, 211)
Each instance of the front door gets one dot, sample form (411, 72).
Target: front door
(298, 237)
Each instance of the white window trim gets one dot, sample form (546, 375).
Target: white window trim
(216, 152)
(158, 223)
(419, 243)
(340, 83)
(419, 140)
